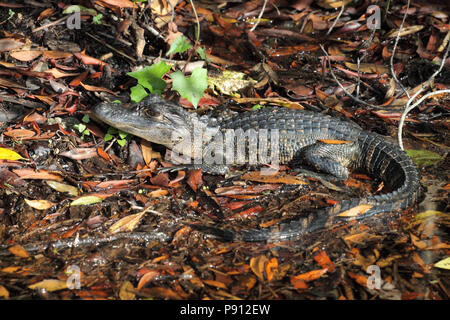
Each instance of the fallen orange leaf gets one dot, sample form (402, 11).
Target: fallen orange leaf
(324, 261)
(311, 275)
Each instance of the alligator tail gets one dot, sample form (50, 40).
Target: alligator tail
(380, 158)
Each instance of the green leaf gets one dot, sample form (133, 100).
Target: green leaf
(122, 134)
(202, 53)
(150, 77)
(97, 19)
(80, 127)
(108, 137)
(424, 157)
(85, 119)
(6, 154)
(138, 93)
(86, 200)
(191, 88)
(257, 107)
(180, 44)
(122, 142)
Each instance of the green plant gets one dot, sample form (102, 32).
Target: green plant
(82, 128)
(121, 137)
(150, 78)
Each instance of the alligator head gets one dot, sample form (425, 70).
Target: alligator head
(153, 119)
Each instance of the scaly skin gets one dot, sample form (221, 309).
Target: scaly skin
(300, 133)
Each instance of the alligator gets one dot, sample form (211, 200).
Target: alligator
(328, 144)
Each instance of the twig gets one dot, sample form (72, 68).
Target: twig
(197, 34)
(337, 18)
(395, 48)
(409, 108)
(259, 16)
(111, 47)
(50, 24)
(340, 85)
(424, 85)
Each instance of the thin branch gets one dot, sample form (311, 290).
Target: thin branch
(340, 85)
(424, 85)
(197, 34)
(395, 48)
(408, 109)
(337, 18)
(259, 16)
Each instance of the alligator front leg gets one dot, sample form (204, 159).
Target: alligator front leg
(333, 159)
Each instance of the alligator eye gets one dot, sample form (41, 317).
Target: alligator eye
(152, 113)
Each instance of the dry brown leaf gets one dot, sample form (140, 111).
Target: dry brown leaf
(19, 251)
(405, 31)
(421, 244)
(60, 74)
(271, 268)
(368, 67)
(128, 223)
(324, 261)
(4, 293)
(158, 193)
(95, 88)
(17, 269)
(147, 277)
(46, 99)
(361, 280)
(49, 285)
(40, 204)
(126, 291)
(10, 84)
(298, 283)
(216, 284)
(194, 179)
(247, 281)
(80, 153)
(257, 264)
(46, 13)
(19, 133)
(62, 187)
(35, 117)
(39, 175)
(119, 3)
(277, 178)
(56, 54)
(8, 44)
(147, 152)
(356, 211)
(26, 55)
(311, 275)
(332, 4)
